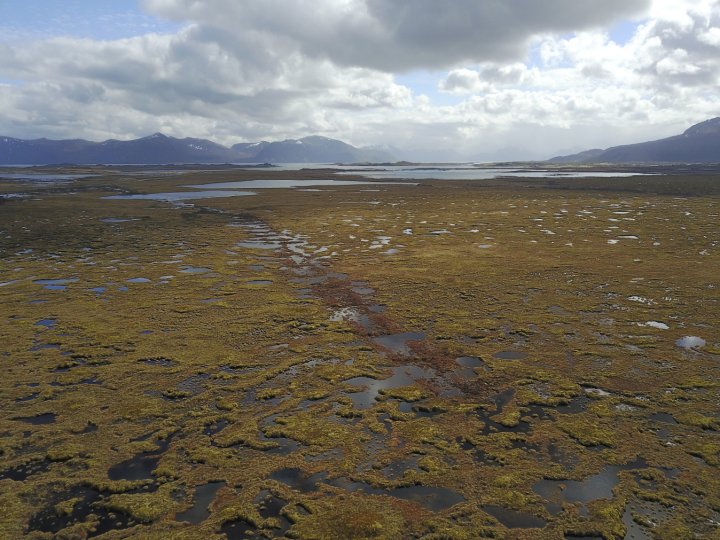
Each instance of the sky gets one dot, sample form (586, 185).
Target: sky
(450, 80)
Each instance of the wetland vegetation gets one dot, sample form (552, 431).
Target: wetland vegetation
(531, 358)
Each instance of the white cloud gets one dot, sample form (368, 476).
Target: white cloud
(710, 37)
(286, 68)
(487, 77)
(398, 35)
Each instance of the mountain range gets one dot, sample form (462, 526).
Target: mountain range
(698, 144)
(160, 149)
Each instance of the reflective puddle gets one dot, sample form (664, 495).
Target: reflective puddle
(141, 466)
(117, 220)
(270, 508)
(431, 497)
(690, 342)
(195, 270)
(513, 519)
(510, 355)
(215, 427)
(31, 177)
(55, 284)
(298, 479)
(352, 315)
(286, 184)
(181, 196)
(39, 420)
(467, 366)
(401, 376)
(598, 486)
(204, 495)
(20, 473)
(398, 343)
(257, 244)
(86, 502)
(159, 361)
(663, 418)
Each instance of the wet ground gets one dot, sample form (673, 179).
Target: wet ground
(507, 358)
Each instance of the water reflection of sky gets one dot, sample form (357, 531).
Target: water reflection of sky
(30, 177)
(182, 195)
(465, 173)
(282, 184)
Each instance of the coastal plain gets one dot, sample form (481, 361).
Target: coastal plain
(530, 358)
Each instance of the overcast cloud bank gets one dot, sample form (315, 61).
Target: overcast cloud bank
(541, 77)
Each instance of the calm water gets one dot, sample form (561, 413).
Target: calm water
(285, 184)
(199, 512)
(474, 173)
(401, 376)
(29, 177)
(182, 195)
(690, 342)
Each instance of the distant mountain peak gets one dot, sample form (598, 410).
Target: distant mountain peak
(159, 148)
(708, 127)
(698, 144)
(317, 138)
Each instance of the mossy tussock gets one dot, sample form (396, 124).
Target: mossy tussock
(200, 377)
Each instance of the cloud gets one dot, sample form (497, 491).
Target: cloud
(164, 78)
(600, 92)
(398, 35)
(512, 73)
(488, 77)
